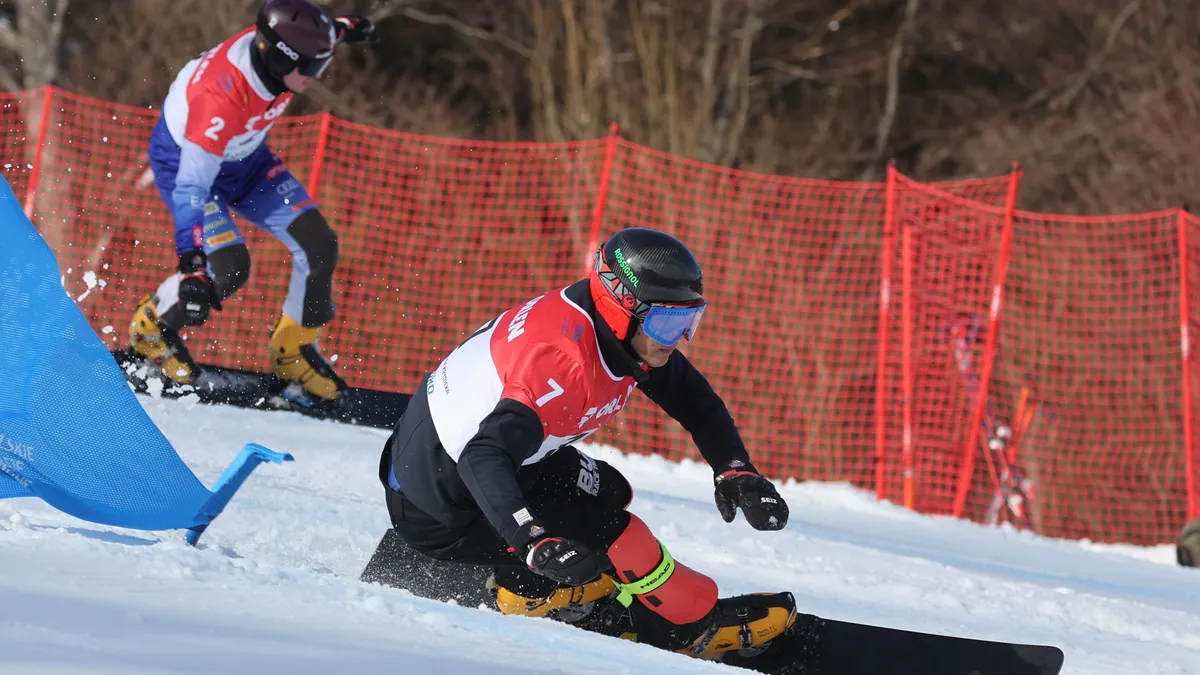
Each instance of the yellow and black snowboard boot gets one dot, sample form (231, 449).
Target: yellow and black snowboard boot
(296, 359)
(563, 604)
(744, 622)
(592, 607)
(160, 344)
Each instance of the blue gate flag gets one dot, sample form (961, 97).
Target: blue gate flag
(72, 432)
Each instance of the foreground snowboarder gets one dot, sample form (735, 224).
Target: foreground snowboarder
(482, 470)
(491, 503)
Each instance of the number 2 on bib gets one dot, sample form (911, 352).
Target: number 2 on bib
(217, 125)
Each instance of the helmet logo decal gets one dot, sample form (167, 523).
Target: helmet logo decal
(620, 293)
(291, 53)
(620, 256)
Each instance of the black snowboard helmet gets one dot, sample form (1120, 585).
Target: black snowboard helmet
(638, 269)
(294, 35)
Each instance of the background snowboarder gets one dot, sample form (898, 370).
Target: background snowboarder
(209, 155)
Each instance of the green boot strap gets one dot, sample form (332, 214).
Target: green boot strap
(649, 583)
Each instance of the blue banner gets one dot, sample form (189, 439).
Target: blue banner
(71, 431)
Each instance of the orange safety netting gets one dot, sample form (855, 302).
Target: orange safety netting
(829, 377)
(943, 252)
(790, 338)
(1074, 326)
(1090, 340)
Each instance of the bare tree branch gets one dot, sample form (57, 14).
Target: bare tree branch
(381, 9)
(892, 100)
(8, 82)
(542, 77)
(601, 77)
(1065, 99)
(574, 45)
(793, 71)
(749, 34)
(710, 92)
(10, 39)
(56, 24)
(653, 62)
(712, 47)
(465, 29)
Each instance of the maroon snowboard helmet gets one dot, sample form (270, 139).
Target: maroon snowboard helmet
(294, 35)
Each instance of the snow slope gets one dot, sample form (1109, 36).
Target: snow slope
(273, 586)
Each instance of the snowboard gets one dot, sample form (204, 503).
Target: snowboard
(816, 645)
(812, 646)
(264, 391)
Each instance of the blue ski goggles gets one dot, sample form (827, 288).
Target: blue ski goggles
(668, 324)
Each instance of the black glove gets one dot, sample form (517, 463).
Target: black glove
(197, 295)
(570, 563)
(740, 485)
(353, 29)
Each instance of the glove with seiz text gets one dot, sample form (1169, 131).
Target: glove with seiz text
(354, 29)
(740, 485)
(570, 563)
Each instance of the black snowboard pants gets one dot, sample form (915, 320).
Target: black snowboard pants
(575, 496)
